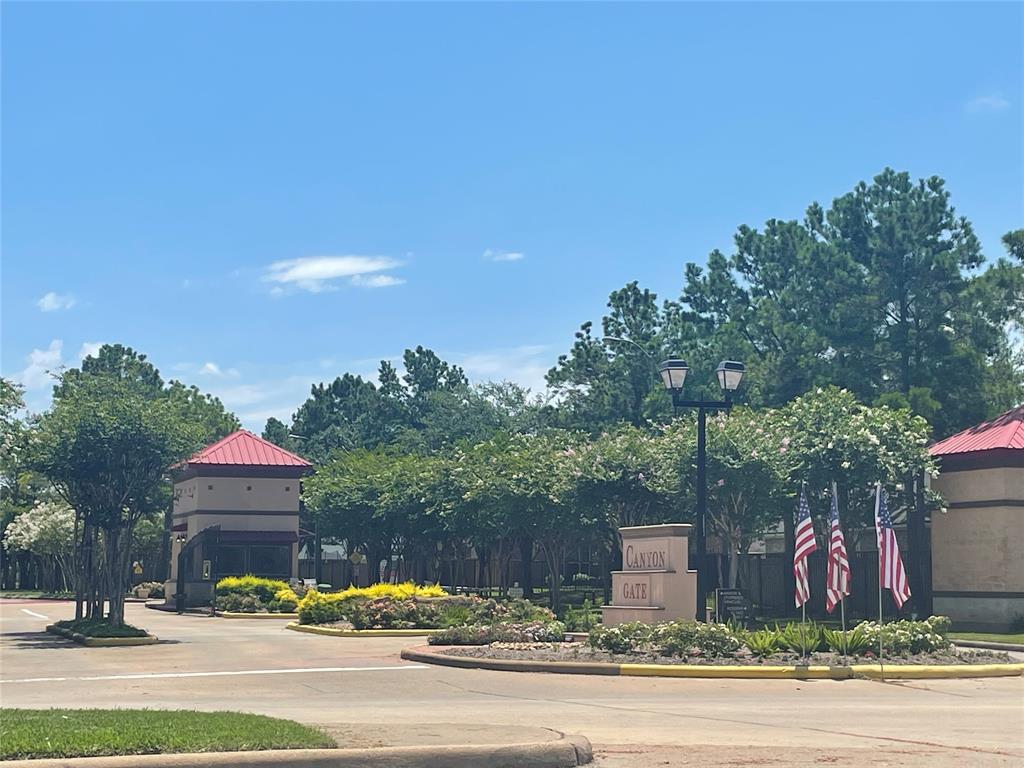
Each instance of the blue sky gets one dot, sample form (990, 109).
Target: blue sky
(260, 196)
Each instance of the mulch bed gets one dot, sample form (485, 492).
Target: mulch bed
(584, 653)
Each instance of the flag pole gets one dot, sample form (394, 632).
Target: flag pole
(878, 501)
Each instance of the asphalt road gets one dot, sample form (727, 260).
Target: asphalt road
(362, 692)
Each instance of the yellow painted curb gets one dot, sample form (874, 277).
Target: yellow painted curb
(936, 671)
(334, 632)
(765, 672)
(735, 672)
(238, 615)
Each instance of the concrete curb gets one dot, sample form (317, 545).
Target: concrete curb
(749, 672)
(988, 645)
(566, 752)
(313, 629)
(101, 642)
(239, 615)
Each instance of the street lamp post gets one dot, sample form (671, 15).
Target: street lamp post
(673, 375)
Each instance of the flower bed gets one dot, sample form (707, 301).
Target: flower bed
(687, 642)
(406, 606)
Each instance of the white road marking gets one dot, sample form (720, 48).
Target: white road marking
(235, 673)
(33, 613)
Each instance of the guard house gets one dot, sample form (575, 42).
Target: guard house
(236, 511)
(977, 567)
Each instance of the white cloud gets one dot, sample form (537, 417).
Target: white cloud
(526, 365)
(40, 363)
(992, 102)
(492, 255)
(52, 301)
(89, 349)
(318, 273)
(212, 369)
(376, 281)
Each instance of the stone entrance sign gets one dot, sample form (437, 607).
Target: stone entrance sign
(655, 583)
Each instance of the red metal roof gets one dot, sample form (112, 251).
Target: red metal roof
(1006, 431)
(243, 448)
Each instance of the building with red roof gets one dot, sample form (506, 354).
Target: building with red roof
(977, 542)
(236, 511)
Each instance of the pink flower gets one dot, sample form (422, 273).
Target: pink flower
(721, 483)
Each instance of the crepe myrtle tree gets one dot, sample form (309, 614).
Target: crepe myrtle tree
(106, 445)
(747, 490)
(47, 531)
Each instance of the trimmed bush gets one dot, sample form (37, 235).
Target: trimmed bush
(100, 628)
(629, 637)
(529, 632)
(253, 594)
(908, 637)
(690, 638)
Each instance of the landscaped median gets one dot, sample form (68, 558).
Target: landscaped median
(99, 633)
(799, 650)
(434, 655)
(185, 739)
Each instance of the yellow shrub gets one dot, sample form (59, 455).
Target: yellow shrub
(321, 608)
(287, 594)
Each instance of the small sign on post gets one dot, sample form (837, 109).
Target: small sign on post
(733, 604)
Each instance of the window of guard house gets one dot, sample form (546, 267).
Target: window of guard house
(273, 561)
(229, 560)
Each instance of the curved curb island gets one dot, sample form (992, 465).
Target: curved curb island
(751, 672)
(313, 629)
(240, 615)
(565, 752)
(101, 642)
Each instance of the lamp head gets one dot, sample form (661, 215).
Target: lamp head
(673, 374)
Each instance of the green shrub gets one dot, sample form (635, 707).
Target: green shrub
(628, 637)
(528, 632)
(763, 642)
(907, 637)
(582, 619)
(100, 628)
(853, 642)
(803, 637)
(691, 638)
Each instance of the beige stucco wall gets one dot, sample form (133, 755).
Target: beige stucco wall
(981, 484)
(262, 494)
(979, 548)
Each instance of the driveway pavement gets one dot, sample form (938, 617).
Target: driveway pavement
(363, 693)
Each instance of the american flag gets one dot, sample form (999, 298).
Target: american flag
(838, 579)
(805, 544)
(891, 575)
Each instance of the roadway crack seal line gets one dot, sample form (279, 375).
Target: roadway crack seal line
(215, 673)
(829, 731)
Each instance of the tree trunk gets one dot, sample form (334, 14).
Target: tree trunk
(554, 555)
(116, 542)
(526, 557)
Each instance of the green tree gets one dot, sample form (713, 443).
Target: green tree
(602, 381)
(106, 445)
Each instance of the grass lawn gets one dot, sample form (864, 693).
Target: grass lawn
(100, 628)
(37, 733)
(990, 637)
